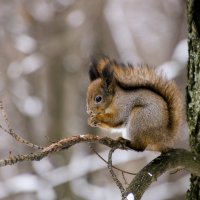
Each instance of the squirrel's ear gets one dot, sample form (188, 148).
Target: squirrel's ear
(108, 77)
(93, 71)
(96, 66)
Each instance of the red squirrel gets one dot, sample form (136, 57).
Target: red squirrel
(136, 101)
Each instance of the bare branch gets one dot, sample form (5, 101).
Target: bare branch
(11, 132)
(65, 144)
(121, 170)
(173, 159)
(114, 176)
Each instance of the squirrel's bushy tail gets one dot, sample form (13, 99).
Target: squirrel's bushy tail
(147, 78)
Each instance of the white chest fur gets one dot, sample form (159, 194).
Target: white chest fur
(122, 131)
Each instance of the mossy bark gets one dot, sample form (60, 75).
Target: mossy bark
(193, 89)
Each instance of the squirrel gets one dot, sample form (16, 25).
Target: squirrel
(136, 101)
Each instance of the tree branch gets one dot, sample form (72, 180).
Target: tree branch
(65, 144)
(114, 176)
(173, 159)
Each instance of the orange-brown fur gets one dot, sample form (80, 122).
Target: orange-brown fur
(146, 84)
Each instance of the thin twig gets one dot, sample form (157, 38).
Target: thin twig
(123, 176)
(11, 132)
(114, 176)
(121, 170)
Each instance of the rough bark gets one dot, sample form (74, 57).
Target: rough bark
(175, 159)
(193, 89)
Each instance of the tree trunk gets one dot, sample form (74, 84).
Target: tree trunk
(193, 89)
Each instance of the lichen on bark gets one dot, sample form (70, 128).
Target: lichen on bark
(193, 89)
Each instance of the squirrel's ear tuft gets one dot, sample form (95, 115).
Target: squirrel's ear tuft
(93, 71)
(107, 74)
(96, 66)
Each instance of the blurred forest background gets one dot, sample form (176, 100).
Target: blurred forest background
(44, 56)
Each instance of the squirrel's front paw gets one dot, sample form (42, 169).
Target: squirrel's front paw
(92, 121)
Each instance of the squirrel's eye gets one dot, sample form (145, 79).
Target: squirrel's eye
(98, 99)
